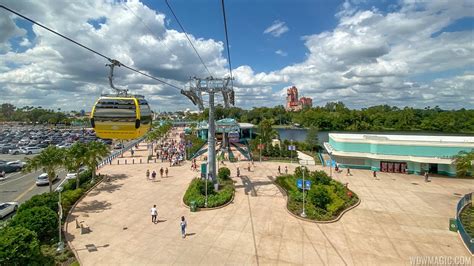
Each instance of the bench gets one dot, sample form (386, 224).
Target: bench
(83, 227)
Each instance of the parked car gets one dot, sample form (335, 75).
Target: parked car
(43, 179)
(31, 150)
(17, 163)
(7, 207)
(118, 146)
(7, 168)
(14, 151)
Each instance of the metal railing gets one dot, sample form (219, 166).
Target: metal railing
(117, 153)
(468, 240)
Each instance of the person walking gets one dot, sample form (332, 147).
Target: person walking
(238, 172)
(375, 174)
(166, 172)
(248, 167)
(286, 170)
(154, 214)
(132, 152)
(348, 171)
(279, 170)
(147, 174)
(426, 177)
(153, 175)
(161, 172)
(183, 225)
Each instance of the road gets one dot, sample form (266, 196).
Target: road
(19, 186)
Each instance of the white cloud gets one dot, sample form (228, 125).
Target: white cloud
(276, 29)
(369, 58)
(280, 52)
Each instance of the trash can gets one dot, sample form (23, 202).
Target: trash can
(192, 206)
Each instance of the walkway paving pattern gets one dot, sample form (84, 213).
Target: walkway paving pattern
(399, 216)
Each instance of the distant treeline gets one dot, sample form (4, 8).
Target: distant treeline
(336, 116)
(8, 112)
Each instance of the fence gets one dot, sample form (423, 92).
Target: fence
(117, 153)
(468, 240)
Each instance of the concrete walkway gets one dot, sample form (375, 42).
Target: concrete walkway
(305, 159)
(400, 216)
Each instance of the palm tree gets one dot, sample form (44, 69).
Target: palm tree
(463, 162)
(50, 160)
(75, 158)
(96, 151)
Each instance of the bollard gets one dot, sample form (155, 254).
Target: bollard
(118, 161)
(125, 161)
(155, 160)
(140, 160)
(133, 161)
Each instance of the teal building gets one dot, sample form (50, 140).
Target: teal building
(411, 154)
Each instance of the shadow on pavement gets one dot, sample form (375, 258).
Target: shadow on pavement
(251, 186)
(94, 206)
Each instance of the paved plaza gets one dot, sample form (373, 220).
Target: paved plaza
(400, 216)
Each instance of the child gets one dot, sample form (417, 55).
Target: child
(183, 227)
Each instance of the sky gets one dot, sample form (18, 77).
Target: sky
(361, 52)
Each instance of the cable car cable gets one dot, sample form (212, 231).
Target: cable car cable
(227, 42)
(192, 45)
(87, 48)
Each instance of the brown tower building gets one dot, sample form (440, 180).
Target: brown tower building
(295, 104)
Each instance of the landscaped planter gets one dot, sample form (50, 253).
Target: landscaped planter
(326, 200)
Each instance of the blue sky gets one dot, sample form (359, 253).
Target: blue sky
(361, 52)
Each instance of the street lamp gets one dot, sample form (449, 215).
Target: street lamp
(60, 217)
(303, 214)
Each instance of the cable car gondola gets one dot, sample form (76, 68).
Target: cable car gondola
(120, 116)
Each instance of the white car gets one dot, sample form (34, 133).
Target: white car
(43, 179)
(7, 207)
(71, 176)
(31, 150)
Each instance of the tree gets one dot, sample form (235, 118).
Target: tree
(96, 151)
(18, 246)
(50, 160)
(7, 110)
(463, 162)
(75, 158)
(312, 138)
(41, 220)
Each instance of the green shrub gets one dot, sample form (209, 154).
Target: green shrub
(224, 173)
(68, 198)
(41, 220)
(196, 192)
(47, 199)
(319, 196)
(19, 246)
(320, 177)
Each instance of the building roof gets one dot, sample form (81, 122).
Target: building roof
(406, 139)
(246, 125)
(416, 159)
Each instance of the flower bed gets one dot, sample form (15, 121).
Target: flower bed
(325, 200)
(197, 191)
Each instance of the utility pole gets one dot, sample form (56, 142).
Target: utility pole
(210, 85)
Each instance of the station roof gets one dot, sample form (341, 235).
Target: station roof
(402, 138)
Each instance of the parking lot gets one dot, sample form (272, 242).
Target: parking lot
(20, 142)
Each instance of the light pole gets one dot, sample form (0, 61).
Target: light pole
(303, 214)
(60, 217)
(205, 201)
